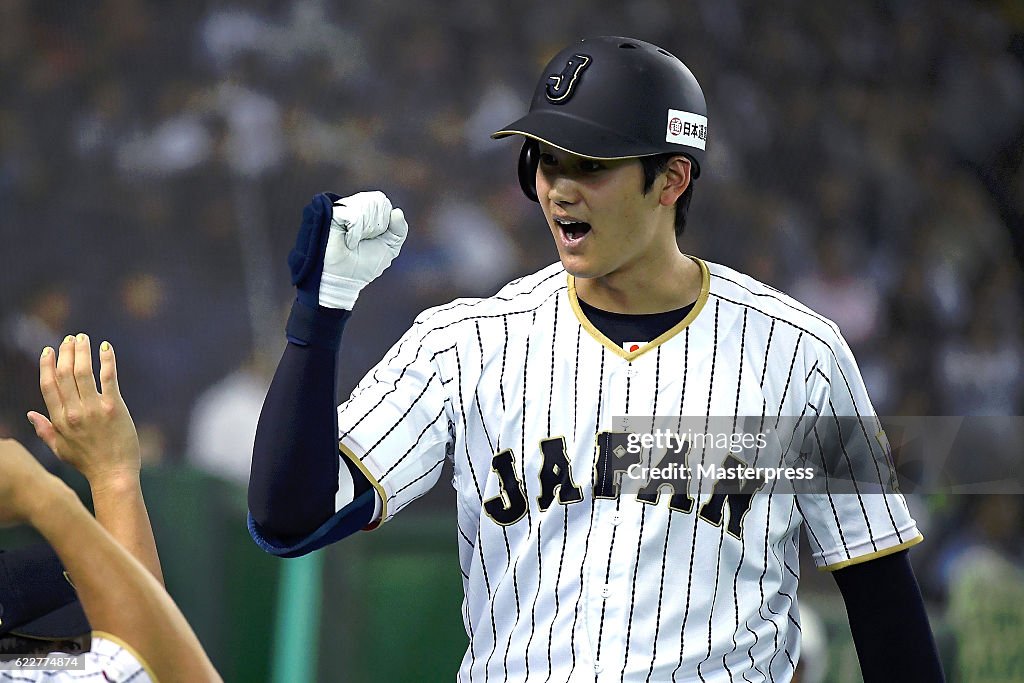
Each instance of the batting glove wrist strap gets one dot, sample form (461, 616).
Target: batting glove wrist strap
(339, 292)
(316, 326)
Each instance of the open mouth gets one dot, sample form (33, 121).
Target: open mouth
(573, 231)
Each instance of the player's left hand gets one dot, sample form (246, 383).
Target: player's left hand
(344, 243)
(92, 430)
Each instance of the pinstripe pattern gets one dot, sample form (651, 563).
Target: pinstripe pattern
(611, 587)
(565, 518)
(590, 526)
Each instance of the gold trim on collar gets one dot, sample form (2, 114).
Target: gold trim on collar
(373, 482)
(705, 287)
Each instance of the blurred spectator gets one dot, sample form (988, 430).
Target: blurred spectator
(255, 143)
(983, 569)
(222, 426)
(478, 256)
(841, 289)
(180, 141)
(37, 323)
(981, 370)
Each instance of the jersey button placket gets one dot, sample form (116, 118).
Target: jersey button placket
(597, 564)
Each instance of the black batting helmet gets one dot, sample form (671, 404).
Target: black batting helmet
(613, 98)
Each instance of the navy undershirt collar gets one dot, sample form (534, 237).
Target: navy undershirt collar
(620, 327)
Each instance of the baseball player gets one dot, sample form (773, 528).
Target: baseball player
(573, 569)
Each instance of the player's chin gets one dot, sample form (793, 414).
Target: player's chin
(578, 266)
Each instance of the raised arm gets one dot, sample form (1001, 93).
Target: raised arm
(120, 597)
(92, 430)
(299, 496)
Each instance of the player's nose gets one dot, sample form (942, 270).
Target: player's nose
(563, 190)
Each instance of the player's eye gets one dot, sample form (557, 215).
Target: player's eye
(590, 166)
(548, 160)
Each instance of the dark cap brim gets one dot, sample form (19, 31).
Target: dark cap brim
(577, 136)
(62, 623)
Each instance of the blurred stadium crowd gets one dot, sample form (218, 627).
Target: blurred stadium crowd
(154, 159)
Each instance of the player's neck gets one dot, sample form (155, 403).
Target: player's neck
(672, 282)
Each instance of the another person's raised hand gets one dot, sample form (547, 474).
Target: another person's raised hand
(87, 427)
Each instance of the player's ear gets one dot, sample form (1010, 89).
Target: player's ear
(677, 179)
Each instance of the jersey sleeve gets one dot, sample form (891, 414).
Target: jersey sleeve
(852, 508)
(397, 427)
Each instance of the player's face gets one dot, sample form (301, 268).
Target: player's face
(600, 219)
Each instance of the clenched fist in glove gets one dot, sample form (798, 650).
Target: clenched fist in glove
(343, 244)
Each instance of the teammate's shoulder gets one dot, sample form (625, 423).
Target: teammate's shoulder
(732, 286)
(516, 296)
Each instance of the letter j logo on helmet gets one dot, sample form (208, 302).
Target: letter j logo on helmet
(561, 85)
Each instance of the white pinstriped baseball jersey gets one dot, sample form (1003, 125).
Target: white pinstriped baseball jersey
(107, 661)
(565, 579)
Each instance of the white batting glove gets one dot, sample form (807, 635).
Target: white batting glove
(366, 235)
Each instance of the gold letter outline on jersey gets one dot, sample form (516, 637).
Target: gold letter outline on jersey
(509, 506)
(556, 474)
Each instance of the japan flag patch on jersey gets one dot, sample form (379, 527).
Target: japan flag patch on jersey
(631, 346)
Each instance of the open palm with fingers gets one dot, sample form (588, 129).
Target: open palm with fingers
(88, 427)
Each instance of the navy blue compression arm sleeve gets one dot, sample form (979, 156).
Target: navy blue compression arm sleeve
(888, 620)
(294, 475)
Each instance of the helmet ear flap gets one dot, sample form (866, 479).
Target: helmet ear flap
(528, 159)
